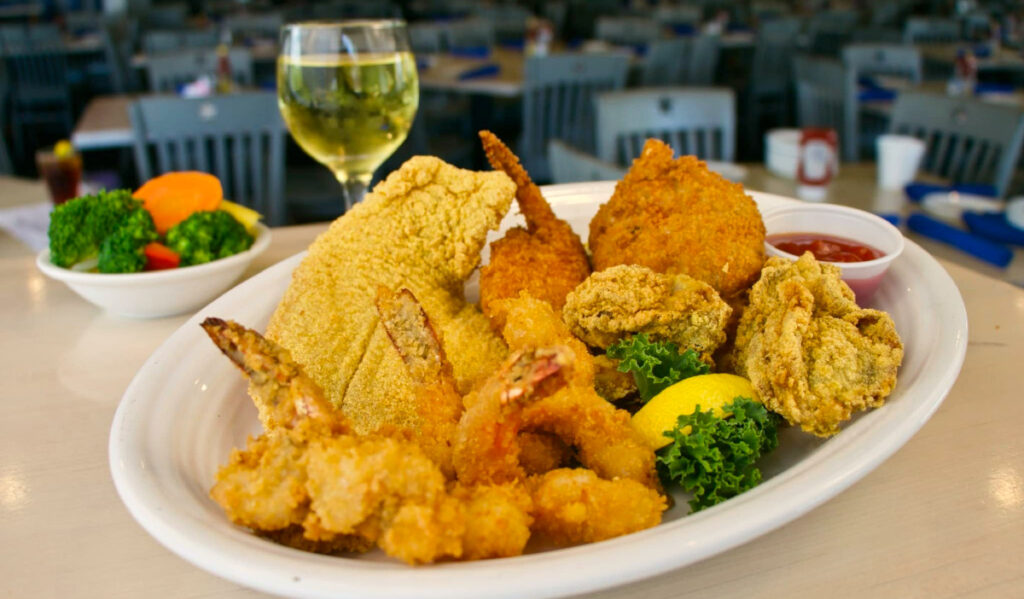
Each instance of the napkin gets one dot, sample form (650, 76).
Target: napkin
(470, 51)
(872, 91)
(975, 245)
(28, 223)
(993, 225)
(487, 70)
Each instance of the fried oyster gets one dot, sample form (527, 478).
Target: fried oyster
(813, 355)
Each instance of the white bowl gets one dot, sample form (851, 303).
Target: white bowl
(157, 293)
(848, 223)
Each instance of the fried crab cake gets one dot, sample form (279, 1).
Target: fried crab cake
(676, 216)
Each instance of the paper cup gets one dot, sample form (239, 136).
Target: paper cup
(899, 156)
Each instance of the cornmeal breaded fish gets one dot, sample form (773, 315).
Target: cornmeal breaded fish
(423, 229)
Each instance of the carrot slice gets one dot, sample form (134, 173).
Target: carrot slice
(172, 197)
(159, 256)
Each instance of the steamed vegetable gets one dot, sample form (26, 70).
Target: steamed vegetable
(206, 236)
(123, 251)
(79, 226)
(717, 459)
(655, 365)
(160, 257)
(173, 197)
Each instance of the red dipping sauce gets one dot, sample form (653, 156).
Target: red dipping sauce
(826, 248)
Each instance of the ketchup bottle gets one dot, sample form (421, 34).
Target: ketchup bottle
(818, 161)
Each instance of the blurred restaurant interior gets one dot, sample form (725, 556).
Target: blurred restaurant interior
(573, 85)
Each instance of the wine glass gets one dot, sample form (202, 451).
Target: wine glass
(348, 91)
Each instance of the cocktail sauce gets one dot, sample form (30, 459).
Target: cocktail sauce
(825, 248)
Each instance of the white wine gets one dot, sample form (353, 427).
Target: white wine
(349, 112)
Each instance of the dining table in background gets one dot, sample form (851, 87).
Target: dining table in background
(942, 517)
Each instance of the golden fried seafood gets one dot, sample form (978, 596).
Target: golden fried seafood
(676, 216)
(438, 402)
(626, 299)
(422, 228)
(546, 259)
(347, 491)
(486, 446)
(813, 355)
(602, 435)
(575, 506)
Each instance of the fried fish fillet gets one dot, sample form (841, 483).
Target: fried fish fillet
(423, 229)
(813, 355)
(676, 216)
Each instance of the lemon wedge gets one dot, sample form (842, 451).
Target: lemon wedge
(243, 214)
(63, 149)
(710, 391)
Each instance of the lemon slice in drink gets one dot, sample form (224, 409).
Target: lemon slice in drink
(710, 391)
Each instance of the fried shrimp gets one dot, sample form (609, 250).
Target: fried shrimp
(602, 435)
(676, 216)
(347, 492)
(546, 259)
(438, 401)
(575, 506)
(486, 449)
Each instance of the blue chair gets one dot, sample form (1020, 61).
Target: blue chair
(968, 140)
(237, 137)
(40, 95)
(866, 61)
(929, 30)
(700, 121)
(558, 101)
(820, 93)
(681, 61)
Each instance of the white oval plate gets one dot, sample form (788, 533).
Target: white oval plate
(187, 407)
(951, 205)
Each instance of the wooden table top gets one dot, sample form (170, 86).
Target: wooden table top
(943, 517)
(105, 123)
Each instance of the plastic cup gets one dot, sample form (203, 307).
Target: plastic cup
(899, 157)
(62, 175)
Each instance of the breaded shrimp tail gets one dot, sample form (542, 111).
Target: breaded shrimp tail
(546, 260)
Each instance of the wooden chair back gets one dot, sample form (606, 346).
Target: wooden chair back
(558, 101)
(237, 137)
(700, 121)
(572, 165)
(968, 140)
(681, 61)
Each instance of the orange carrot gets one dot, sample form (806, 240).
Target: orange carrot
(159, 256)
(172, 197)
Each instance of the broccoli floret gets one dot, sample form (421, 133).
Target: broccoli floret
(124, 250)
(78, 227)
(206, 236)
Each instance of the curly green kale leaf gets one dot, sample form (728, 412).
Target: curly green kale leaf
(655, 365)
(716, 460)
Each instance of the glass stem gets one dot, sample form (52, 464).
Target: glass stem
(353, 188)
